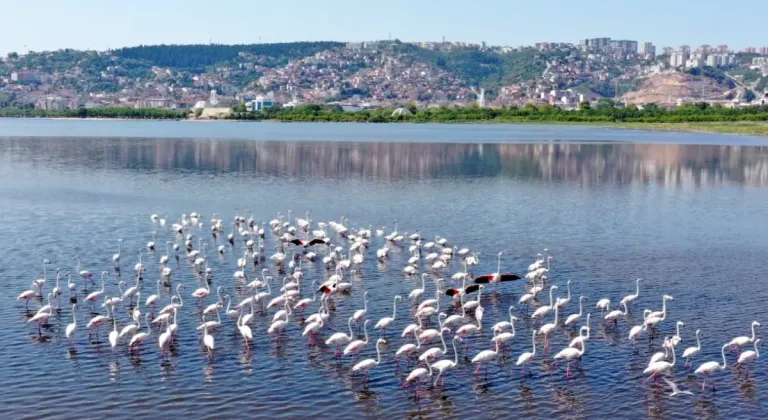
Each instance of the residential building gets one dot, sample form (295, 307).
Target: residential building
(763, 50)
(647, 49)
(260, 103)
(678, 59)
(624, 46)
(750, 50)
(28, 76)
(149, 103)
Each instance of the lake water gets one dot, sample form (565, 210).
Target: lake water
(685, 212)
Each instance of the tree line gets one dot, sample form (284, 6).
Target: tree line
(123, 112)
(604, 112)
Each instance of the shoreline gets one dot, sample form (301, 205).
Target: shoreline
(753, 128)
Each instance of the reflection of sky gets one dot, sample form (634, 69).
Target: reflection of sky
(581, 163)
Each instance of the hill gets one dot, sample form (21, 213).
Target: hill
(668, 88)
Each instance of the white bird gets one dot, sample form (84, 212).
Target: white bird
(661, 367)
(690, 352)
(208, 339)
(709, 368)
(749, 355)
(526, 357)
(628, 299)
(561, 302)
(354, 347)
(360, 313)
(572, 319)
(545, 310)
(417, 293)
(569, 354)
(137, 339)
(339, 339)
(368, 364)
(676, 339)
(441, 366)
(547, 329)
(387, 321)
(615, 314)
(744, 340)
(485, 356)
(582, 338)
(675, 389)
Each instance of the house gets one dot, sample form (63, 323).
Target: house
(260, 103)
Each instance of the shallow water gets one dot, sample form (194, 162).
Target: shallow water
(688, 219)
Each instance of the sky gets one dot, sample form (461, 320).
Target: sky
(39, 25)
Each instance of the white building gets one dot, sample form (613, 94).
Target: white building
(647, 48)
(678, 59)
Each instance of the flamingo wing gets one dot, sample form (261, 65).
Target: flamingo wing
(484, 279)
(509, 277)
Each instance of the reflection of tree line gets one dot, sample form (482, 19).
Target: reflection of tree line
(584, 163)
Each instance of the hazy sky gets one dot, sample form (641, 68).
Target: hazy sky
(100, 24)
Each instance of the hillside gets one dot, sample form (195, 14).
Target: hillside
(383, 73)
(668, 88)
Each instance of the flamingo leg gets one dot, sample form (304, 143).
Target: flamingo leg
(568, 370)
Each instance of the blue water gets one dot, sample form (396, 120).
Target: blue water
(686, 212)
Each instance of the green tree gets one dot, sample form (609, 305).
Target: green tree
(13, 55)
(240, 108)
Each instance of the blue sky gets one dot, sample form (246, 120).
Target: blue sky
(101, 24)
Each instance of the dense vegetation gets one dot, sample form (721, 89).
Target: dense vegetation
(129, 113)
(605, 112)
(198, 57)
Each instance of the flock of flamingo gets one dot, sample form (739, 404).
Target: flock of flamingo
(300, 242)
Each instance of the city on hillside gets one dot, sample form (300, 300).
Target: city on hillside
(358, 75)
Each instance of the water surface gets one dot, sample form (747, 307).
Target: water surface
(687, 218)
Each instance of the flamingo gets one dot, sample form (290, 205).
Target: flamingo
(634, 333)
(93, 296)
(526, 357)
(355, 346)
(164, 258)
(467, 330)
(85, 274)
(676, 339)
(545, 310)
(417, 375)
(116, 257)
(434, 352)
(417, 293)
(484, 357)
(441, 366)
(661, 367)
(628, 299)
(663, 312)
(360, 313)
(500, 326)
(570, 354)
(387, 321)
(368, 364)
(208, 340)
(615, 314)
(215, 306)
(339, 339)
(151, 244)
(202, 292)
(603, 304)
(70, 331)
(572, 319)
(547, 329)
(744, 340)
(501, 336)
(690, 352)
(749, 356)
(139, 267)
(152, 299)
(561, 302)
(710, 368)
(26, 296)
(140, 337)
(113, 334)
(496, 277)
(244, 329)
(474, 304)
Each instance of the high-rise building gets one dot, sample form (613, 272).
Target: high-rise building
(705, 48)
(722, 49)
(678, 59)
(647, 48)
(763, 50)
(685, 49)
(750, 50)
(668, 50)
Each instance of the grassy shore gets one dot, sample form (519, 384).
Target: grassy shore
(741, 127)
